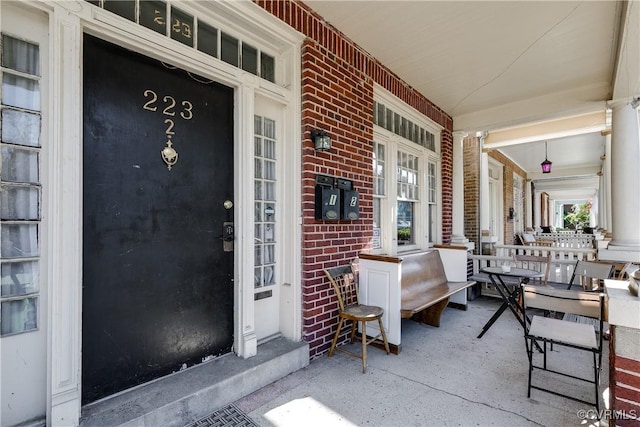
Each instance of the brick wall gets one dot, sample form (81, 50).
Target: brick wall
(624, 377)
(337, 96)
(471, 162)
(507, 190)
(472, 190)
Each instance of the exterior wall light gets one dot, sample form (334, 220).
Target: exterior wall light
(321, 140)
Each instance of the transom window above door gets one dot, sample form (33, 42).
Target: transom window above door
(172, 21)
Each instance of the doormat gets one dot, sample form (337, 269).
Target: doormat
(229, 416)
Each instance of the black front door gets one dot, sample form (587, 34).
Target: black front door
(157, 284)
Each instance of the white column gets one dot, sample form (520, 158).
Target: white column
(536, 209)
(529, 209)
(457, 225)
(484, 191)
(625, 184)
(607, 182)
(65, 232)
(245, 340)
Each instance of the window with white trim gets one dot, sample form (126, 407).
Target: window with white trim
(265, 201)
(406, 191)
(432, 202)
(408, 198)
(20, 188)
(379, 193)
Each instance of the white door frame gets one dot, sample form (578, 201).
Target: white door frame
(68, 22)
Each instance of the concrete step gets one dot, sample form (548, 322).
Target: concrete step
(186, 396)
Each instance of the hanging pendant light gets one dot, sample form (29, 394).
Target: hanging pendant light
(546, 165)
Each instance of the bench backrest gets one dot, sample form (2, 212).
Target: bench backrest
(422, 270)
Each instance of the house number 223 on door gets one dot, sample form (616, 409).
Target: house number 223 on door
(171, 109)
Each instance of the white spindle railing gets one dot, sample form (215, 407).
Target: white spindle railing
(563, 260)
(565, 240)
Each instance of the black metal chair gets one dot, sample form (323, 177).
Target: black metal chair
(581, 336)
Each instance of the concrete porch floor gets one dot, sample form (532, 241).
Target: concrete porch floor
(443, 376)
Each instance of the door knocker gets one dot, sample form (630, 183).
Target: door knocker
(169, 155)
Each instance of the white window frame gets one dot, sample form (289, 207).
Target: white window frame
(388, 202)
(496, 200)
(518, 203)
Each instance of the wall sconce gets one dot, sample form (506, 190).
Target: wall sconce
(321, 140)
(546, 165)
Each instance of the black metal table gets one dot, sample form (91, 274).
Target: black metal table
(510, 299)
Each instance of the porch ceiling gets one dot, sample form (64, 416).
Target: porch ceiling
(496, 65)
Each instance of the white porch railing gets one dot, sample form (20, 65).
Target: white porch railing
(563, 260)
(565, 240)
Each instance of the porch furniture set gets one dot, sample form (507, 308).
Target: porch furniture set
(425, 292)
(423, 295)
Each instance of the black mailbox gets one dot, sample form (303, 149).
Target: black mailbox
(327, 199)
(350, 204)
(327, 203)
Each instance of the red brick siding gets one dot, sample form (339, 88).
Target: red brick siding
(507, 187)
(446, 149)
(624, 383)
(470, 147)
(337, 96)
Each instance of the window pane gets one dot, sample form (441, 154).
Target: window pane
(257, 214)
(20, 55)
(269, 273)
(19, 203)
(269, 212)
(377, 221)
(20, 92)
(19, 316)
(20, 128)
(270, 149)
(397, 124)
(19, 278)
(270, 190)
(269, 233)
(270, 170)
(258, 190)
(153, 15)
(380, 115)
(258, 146)
(389, 120)
(257, 168)
(229, 49)
(269, 250)
(181, 26)
(207, 39)
(258, 234)
(19, 165)
(269, 129)
(257, 260)
(267, 67)
(257, 125)
(124, 8)
(19, 240)
(257, 278)
(432, 223)
(405, 223)
(249, 59)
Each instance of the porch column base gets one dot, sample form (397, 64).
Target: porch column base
(619, 253)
